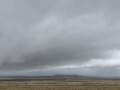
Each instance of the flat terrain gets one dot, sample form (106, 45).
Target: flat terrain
(60, 85)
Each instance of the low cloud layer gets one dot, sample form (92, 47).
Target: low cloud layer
(36, 34)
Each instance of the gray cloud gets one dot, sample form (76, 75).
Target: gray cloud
(40, 33)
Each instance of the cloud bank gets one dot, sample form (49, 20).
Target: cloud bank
(48, 33)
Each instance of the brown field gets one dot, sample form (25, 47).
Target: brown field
(60, 85)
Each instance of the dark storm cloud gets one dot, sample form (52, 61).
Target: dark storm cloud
(40, 33)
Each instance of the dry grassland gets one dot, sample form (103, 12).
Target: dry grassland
(61, 85)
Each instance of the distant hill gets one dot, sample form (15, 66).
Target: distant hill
(53, 77)
(68, 76)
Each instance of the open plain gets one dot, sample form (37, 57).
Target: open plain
(60, 85)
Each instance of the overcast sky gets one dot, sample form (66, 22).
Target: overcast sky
(47, 37)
